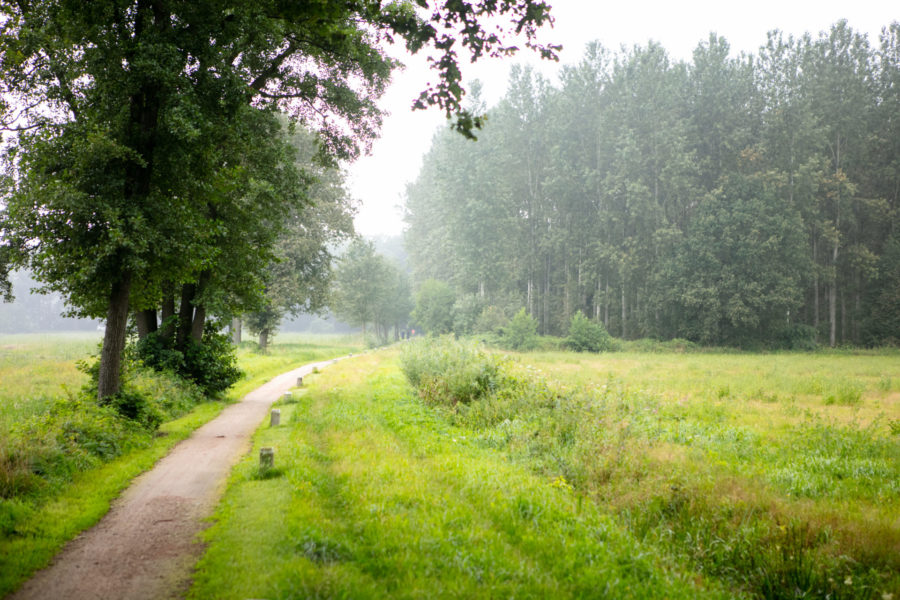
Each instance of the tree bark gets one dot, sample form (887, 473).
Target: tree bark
(199, 308)
(264, 340)
(146, 322)
(168, 311)
(236, 331)
(832, 300)
(109, 378)
(185, 315)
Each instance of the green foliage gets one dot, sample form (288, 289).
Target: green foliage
(434, 307)
(520, 333)
(210, 364)
(448, 371)
(370, 289)
(491, 320)
(715, 199)
(587, 336)
(798, 337)
(467, 311)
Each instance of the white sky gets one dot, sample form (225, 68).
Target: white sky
(379, 180)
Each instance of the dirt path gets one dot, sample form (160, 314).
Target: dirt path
(146, 546)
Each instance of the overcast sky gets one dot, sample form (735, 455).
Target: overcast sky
(379, 180)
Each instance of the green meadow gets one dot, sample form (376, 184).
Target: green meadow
(62, 459)
(641, 475)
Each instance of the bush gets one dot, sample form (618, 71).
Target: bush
(798, 337)
(448, 371)
(211, 364)
(587, 336)
(521, 333)
(491, 320)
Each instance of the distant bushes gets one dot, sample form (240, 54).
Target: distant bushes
(587, 336)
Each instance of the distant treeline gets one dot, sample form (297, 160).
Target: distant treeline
(727, 200)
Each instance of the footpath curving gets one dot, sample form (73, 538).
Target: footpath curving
(147, 544)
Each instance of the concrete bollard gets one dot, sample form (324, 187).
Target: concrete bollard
(299, 382)
(266, 458)
(276, 418)
(288, 396)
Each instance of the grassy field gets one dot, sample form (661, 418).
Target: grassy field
(375, 496)
(39, 420)
(619, 475)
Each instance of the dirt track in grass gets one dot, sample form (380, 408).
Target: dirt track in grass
(146, 546)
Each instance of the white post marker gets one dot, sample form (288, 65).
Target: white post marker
(288, 396)
(299, 382)
(276, 418)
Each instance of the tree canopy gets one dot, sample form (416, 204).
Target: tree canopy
(736, 200)
(147, 162)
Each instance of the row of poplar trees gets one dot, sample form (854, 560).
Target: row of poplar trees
(736, 200)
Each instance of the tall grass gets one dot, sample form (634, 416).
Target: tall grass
(722, 461)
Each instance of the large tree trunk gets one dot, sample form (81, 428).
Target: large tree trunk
(167, 312)
(200, 310)
(185, 315)
(198, 323)
(109, 380)
(146, 322)
(263, 340)
(236, 331)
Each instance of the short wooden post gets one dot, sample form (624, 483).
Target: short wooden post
(299, 382)
(266, 458)
(276, 418)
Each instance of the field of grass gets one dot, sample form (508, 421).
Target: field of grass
(375, 496)
(743, 475)
(61, 463)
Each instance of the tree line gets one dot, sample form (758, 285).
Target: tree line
(738, 200)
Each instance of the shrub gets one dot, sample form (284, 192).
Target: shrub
(448, 371)
(521, 333)
(798, 337)
(587, 336)
(491, 320)
(211, 364)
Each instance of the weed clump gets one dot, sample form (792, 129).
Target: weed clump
(450, 371)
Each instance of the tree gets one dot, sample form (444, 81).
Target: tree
(434, 307)
(362, 283)
(299, 279)
(122, 108)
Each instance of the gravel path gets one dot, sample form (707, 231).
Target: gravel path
(146, 546)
